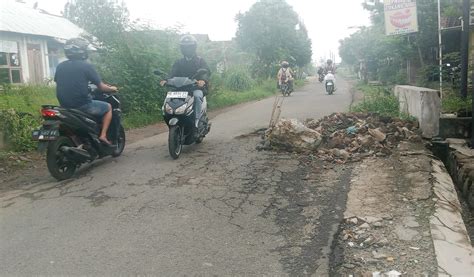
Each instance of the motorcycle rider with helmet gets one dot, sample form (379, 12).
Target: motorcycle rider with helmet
(188, 66)
(72, 79)
(285, 74)
(329, 67)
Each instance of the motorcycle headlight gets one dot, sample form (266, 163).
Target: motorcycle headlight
(168, 109)
(181, 109)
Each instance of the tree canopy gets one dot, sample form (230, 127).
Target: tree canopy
(386, 57)
(272, 31)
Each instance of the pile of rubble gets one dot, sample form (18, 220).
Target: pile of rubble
(342, 137)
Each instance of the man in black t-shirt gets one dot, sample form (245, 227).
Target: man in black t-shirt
(188, 67)
(72, 80)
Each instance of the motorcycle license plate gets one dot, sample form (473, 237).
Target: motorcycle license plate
(177, 94)
(41, 135)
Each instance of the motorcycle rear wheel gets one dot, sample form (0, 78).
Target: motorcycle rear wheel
(58, 165)
(175, 141)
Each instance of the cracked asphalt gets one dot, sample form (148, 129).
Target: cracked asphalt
(223, 208)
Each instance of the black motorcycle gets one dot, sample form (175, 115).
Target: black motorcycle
(285, 88)
(179, 113)
(321, 75)
(71, 137)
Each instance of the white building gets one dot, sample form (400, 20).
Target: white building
(31, 42)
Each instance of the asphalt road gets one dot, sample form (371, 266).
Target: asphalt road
(223, 208)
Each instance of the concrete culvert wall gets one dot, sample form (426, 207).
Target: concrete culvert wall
(422, 103)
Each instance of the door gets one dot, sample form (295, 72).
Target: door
(35, 63)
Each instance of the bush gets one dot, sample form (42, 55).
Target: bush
(19, 113)
(453, 103)
(18, 127)
(238, 80)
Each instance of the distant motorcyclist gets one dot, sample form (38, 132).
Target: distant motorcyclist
(285, 74)
(329, 67)
(73, 77)
(188, 67)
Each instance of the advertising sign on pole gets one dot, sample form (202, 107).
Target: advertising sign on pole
(400, 17)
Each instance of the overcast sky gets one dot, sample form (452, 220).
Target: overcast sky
(327, 21)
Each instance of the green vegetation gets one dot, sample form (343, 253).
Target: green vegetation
(238, 80)
(272, 31)
(19, 113)
(453, 103)
(27, 99)
(377, 99)
(227, 97)
(128, 52)
(377, 56)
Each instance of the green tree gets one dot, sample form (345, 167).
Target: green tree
(272, 31)
(127, 53)
(105, 19)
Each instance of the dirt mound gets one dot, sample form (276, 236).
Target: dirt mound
(345, 136)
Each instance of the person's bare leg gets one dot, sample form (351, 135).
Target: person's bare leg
(105, 125)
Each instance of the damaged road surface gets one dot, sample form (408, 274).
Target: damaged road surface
(223, 208)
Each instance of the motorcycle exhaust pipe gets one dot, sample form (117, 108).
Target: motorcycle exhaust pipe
(76, 154)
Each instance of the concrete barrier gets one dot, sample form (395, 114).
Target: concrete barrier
(422, 103)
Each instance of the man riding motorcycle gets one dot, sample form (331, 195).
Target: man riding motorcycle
(285, 74)
(188, 67)
(72, 79)
(329, 67)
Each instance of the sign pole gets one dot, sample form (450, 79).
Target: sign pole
(465, 47)
(440, 52)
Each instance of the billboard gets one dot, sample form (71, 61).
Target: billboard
(400, 17)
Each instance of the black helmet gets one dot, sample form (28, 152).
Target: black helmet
(76, 49)
(329, 61)
(188, 45)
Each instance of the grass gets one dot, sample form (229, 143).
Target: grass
(225, 97)
(377, 99)
(27, 99)
(137, 120)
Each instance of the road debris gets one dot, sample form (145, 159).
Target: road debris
(342, 137)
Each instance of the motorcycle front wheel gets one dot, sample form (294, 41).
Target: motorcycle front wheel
(175, 141)
(120, 143)
(58, 165)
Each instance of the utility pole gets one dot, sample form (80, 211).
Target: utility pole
(465, 46)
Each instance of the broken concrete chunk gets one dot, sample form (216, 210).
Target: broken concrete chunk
(377, 134)
(292, 134)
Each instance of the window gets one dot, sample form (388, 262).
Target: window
(10, 65)
(54, 56)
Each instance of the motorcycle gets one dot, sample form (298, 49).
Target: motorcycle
(71, 137)
(321, 75)
(330, 83)
(179, 113)
(321, 78)
(285, 88)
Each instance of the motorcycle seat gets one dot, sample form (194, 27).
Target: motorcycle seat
(83, 114)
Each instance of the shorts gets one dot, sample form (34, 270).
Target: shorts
(95, 108)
